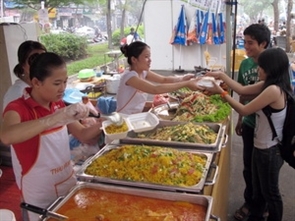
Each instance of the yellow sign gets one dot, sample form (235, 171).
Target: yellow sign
(51, 14)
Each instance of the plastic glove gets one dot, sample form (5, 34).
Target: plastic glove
(66, 115)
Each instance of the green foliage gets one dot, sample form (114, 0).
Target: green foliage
(96, 57)
(116, 34)
(68, 46)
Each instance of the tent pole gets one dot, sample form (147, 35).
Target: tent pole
(228, 36)
(235, 3)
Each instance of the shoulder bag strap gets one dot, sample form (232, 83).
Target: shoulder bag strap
(266, 110)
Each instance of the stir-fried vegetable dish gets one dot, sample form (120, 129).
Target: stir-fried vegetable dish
(189, 132)
(201, 108)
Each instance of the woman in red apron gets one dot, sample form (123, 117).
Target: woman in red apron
(37, 127)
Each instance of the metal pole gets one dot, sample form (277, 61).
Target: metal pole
(228, 36)
(235, 3)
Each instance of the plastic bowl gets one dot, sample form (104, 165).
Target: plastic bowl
(142, 121)
(114, 136)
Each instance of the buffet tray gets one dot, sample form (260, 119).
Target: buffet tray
(214, 147)
(165, 111)
(82, 176)
(202, 200)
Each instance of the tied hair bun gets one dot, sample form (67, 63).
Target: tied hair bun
(32, 58)
(18, 70)
(124, 50)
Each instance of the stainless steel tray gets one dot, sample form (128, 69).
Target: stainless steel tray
(165, 111)
(82, 176)
(202, 200)
(215, 147)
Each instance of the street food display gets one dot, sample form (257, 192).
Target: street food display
(195, 106)
(209, 137)
(148, 166)
(188, 132)
(166, 166)
(93, 202)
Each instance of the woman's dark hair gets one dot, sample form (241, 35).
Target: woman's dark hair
(133, 50)
(258, 32)
(24, 50)
(275, 63)
(41, 65)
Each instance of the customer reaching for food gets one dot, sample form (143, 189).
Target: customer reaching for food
(138, 81)
(36, 126)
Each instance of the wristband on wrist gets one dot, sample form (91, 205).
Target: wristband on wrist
(223, 94)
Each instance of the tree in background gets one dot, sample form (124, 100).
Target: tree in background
(288, 24)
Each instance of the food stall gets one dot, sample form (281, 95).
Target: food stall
(191, 172)
(152, 139)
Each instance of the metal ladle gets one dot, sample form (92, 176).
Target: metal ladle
(114, 117)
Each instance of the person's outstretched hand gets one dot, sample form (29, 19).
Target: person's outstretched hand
(193, 85)
(216, 74)
(188, 76)
(214, 89)
(66, 115)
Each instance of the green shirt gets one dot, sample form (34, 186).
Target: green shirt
(248, 75)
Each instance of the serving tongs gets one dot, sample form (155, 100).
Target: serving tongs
(44, 212)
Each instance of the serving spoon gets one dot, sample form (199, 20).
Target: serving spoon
(114, 117)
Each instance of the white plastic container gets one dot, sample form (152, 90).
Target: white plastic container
(7, 215)
(142, 121)
(112, 84)
(116, 136)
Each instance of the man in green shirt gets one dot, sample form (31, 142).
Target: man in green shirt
(256, 40)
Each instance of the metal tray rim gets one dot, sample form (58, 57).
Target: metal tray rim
(215, 147)
(155, 194)
(82, 176)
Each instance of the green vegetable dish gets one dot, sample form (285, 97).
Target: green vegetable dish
(199, 107)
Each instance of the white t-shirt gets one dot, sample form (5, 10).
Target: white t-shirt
(14, 92)
(129, 99)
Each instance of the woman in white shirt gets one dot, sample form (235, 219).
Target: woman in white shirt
(138, 81)
(22, 69)
(273, 72)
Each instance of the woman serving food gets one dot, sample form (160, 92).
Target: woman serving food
(138, 81)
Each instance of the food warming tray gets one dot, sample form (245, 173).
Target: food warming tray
(209, 169)
(214, 147)
(202, 200)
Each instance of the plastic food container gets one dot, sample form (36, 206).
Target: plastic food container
(86, 75)
(142, 121)
(115, 136)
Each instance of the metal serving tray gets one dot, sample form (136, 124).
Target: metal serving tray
(82, 176)
(214, 147)
(165, 111)
(202, 200)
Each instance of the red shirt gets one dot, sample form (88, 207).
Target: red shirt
(28, 109)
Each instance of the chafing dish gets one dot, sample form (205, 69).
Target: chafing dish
(204, 201)
(82, 176)
(213, 147)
